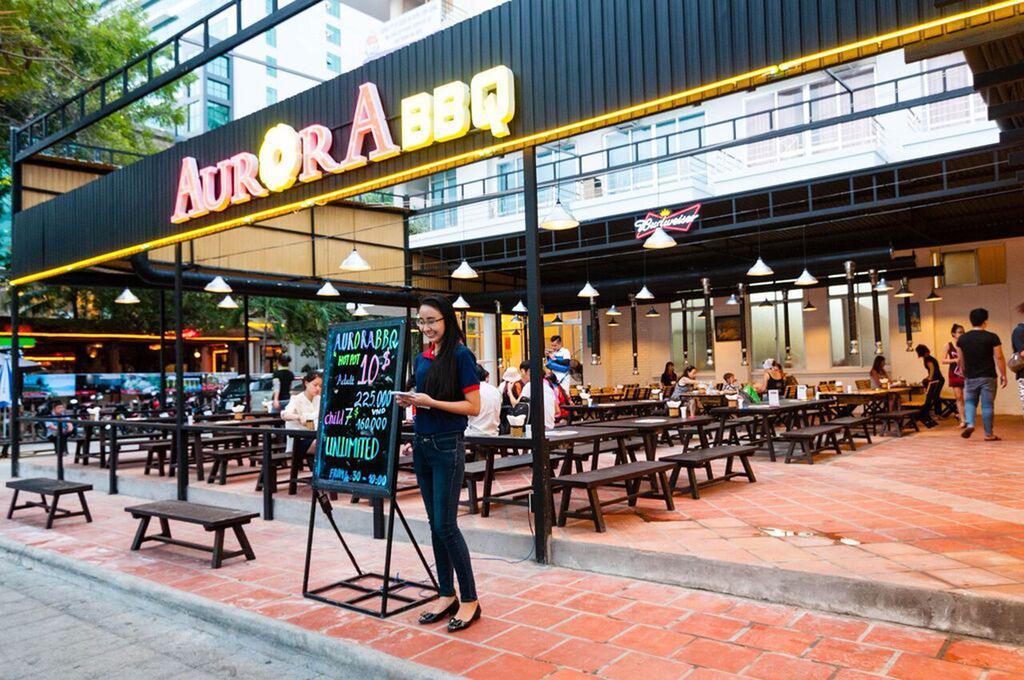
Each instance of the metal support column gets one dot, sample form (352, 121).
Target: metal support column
(161, 357)
(245, 351)
(742, 289)
(632, 324)
(785, 326)
(181, 470)
(498, 339)
(709, 335)
(876, 314)
(15, 384)
(541, 498)
(851, 305)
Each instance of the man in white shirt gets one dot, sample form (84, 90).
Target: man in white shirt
(487, 421)
(559, 360)
(550, 402)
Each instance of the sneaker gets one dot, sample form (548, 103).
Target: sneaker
(968, 431)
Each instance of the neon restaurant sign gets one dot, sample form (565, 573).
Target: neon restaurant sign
(288, 155)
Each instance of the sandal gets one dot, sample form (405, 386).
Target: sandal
(993, 438)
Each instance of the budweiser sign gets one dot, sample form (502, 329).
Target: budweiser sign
(680, 220)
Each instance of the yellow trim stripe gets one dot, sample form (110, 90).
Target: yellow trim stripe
(634, 111)
(124, 336)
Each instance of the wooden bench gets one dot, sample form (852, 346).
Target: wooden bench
(210, 517)
(746, 423)
(221, 457)
(630, 473)
(45, 486)
(695, 458)
(485, 470)
(898, 420)
(848, 423)
(812, 440)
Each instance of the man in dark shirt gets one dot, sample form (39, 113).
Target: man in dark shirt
(283, 379)
(981, 353)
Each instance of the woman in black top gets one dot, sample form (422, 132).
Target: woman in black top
(669, 377)
(1017, 342)
(931, 403)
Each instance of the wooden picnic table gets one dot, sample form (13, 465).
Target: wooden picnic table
(787, 412)
(872, 401)
(613, 409)
(651, 428)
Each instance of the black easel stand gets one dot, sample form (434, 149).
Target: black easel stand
(389, 588)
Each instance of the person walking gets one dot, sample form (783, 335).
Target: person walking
(956, 379)
(1017, 343)
(981, 355)
(931, 402)
(447, 395)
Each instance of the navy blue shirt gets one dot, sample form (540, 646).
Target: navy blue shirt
(434, 420)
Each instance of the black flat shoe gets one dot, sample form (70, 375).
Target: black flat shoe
(455, 625)
(433, 617)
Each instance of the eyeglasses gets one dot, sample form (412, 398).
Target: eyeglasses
(427, 323)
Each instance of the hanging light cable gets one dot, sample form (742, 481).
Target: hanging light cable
(759, 267)
(558, 218)
(805, 278)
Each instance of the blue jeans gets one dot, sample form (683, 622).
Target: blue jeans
(983, 390)
(440, 462)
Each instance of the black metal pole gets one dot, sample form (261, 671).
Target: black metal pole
(742, 289)
(906, 319)
(15, 384)
(245, 351)
(498, 339)
(851, 305)
(876, 314)
(686, 332)
(709, 336)
(785, 325)
(595, 334)
(179, 381)
(632, 319)
(541, 497)
(161, 357)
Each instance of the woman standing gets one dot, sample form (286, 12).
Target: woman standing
(931, 402)
(956, 380)
(669, 377)
(447, 393)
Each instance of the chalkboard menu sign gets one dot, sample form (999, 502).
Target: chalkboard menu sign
(357, 446)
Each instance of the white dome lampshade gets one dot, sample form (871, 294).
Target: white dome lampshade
(464, 271)
(559, 219)
(613, 311)
(659, 239)
(882, 286)
(127, 297)
(806, 279)
(520, 308)
(360, 311)
(460, 303)
(644, 294)
(733, 300)
(652, 313)
(328, 290)
(217, 285)
(227, 303)
(355, 262)
(587, 291)
(760, 269)
(809, 306)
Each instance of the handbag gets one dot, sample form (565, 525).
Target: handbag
(1016, 362)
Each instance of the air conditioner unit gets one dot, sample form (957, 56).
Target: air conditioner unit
(591, 188)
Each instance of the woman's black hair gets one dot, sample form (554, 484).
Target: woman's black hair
(879, 364)
(962, 329)
(686, 371)
(669, 363)
(309, 377)
(442, 380)
(922, 350)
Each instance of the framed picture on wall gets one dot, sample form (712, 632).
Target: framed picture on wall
(915, 317)
(727, 328)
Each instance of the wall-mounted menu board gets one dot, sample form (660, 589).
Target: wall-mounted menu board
(357, 446)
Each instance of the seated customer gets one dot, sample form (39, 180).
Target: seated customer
(687, 382)
(489, 418)
(303, 410)
(878, 373)
(550, 400)
(730, 383)
(774, 377)
(669, 377)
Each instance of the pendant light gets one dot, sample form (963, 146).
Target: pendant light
(587, 291)
(217, 285)
(701, 314)
(227, 303)
(644, 294)
(659, 239)
(652, 313)
(733, 300)
(613, 311)
(765, 304)
(805, 278)
(463, 271)
(558, 218)
(882, 286)
(520, 308)
(933, 296)
(328, 290)
(354, 262)
(127, 297)
(809, 306)
(360, 310)
(904, 291)
(460, 303)
(557, 321)
(759, 268)
(613, 322)
(516, 332)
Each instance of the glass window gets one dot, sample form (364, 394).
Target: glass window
(475, 335)
(271, 37)
(768, 329)
(195, 117)
(760, 119)
(839, 331)
(961, 268)
(552, 164)
(333, 63)
(510, 176)
(860, 81)
(217, 115)
(667, 141)
(953, 75)
(271, 67)
(824, 105)
(697, 354)
(442, 190)
(619, 153)
(215, 88)
(333, 35)
(333, 8)
(271, 95)
(790, 114)
(219, 67)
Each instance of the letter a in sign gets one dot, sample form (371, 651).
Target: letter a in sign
(189, 202)
(369, 119)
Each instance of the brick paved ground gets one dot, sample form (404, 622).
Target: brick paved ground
(928, 510)
(539, 621)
